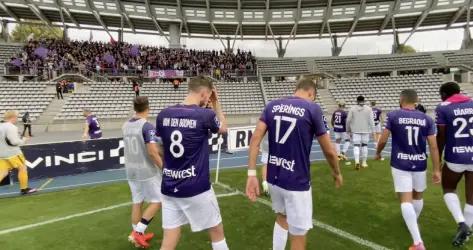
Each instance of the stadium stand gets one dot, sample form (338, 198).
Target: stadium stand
(282, 67)
(26, 96)
(6, 52)
(385, 90)
(105, 99)
(241, 97)
(356, 64)
(456, 58)
(278, 89)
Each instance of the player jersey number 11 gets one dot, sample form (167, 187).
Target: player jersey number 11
(292, 125)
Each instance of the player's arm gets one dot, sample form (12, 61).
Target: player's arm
(435, 157)
(153, 153)
(252, 183)
(13, 137)
(217, 107)
(332, 122)
(151, 141)
(348, 121)
(332, 158)
(382, 143)
(85, 134)
(441, 132)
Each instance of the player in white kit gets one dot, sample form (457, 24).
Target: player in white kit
(143, 170)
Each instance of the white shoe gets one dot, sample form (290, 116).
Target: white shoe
(347, 163)
(364, 164)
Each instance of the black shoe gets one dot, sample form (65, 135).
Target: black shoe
(27, 191)
(463, 233)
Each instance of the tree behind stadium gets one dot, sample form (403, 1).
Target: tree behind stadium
(22, 32)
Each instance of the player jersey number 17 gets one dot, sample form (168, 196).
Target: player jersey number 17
(286, 135)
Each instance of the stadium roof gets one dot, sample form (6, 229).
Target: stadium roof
(244, 18)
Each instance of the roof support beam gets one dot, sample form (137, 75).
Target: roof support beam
(209, 17)
(98, 17)
(298, 16)
(123, 13)
(457, 15)
(9, 12)
(34, 8)
(68, 13)
(266, 19)
(240, 18)
(183, 16)
(421, 19)
(390, 14)
(155, 20)
(327, 14)
(63, 10)
(360, 13)
(218, 35)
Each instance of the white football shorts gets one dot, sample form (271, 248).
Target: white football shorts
(296, 205)
(459, 168)
(406, 181)
(200, 211)
(148, 190)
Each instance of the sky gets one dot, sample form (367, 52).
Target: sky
(421, 41)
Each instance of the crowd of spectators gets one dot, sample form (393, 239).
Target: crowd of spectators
(48, 57)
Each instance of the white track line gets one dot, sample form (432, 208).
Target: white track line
(29, 226)
(45, 184)
(324, 226)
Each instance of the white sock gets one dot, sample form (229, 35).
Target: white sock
(346, 145)
(410, 218)
(468, 211)
(141, 228)
(279, 237)
(418, 205)
(356, 153)
(364, 151)
(453, 204)
(221, 245)
(133, 226)
(337, 146)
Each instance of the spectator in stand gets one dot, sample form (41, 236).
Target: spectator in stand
(421, 108)
(26, 124)
(136, 88)
(90, 56)
(176, 84)
(59, 90)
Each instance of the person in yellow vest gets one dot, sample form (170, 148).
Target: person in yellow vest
(11, 156)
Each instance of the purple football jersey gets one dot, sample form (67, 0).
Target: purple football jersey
(339, 119)
(377, 115)
(457, 116)
(409, 129)
(292, 124)
(184, 130)
(94, 127)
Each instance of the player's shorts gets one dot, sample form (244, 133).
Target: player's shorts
(459, 168)
(406, 181)
(200, 211)
(264, 157)
(377, 128)
(296, 205)
(360, 138)
(148, 190)
(12, 162)
(341, 135)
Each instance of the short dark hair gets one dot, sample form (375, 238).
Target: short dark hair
(448, 89)
(409, 96)
(140, 104)
(198, 82)
(360, 98)
(373, 103)
(306, 84)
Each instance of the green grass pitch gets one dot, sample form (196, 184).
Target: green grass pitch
(366, 206)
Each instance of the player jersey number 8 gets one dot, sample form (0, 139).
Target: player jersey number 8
(292, 125)
(176, 148)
